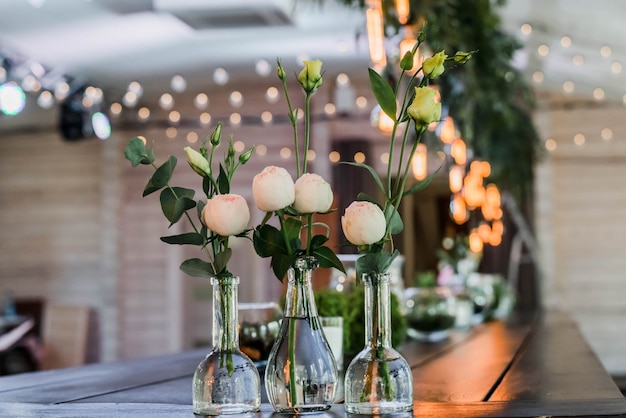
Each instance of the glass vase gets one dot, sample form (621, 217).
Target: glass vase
(226, 381)
(301, 373)
(431, 313)
(378, 379)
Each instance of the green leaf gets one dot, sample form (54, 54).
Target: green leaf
(192, 238)
(292, 228)
(422, 184)
(383, 93)
(328, 259)
(200, 208)
(175, 201)
(374, 263)
(394, 220)
(136, 153)
(268, 241)
(197, 268)
(364, 197)
(281, 264)
(317, 241)
(373, 172)
(161, 176)
(221, 260)
(222, 181)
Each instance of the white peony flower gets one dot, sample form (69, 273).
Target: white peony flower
(313, 194)
(273, 189)
(363, 223)
(226, 214)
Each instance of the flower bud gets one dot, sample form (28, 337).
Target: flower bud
(243, 158)
(273, 189)
(462, 57)
(198, 163)
(226, 214)
(433, 66)
(363, 223)
(217, 133)
(424, 109)
(313, 194)
(310, 78)
(280, 71)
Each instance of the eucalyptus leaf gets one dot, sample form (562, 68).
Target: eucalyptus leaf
(268, 241)
(317, 241)
(136, 153)
(281, 263)
(328, 259)
(197, 268)
(192, 238)
(384, 94)
(175, 201)
(374, 263)
(161, 176)
(221, 260)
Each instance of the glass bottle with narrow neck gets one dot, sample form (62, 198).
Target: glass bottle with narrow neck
(301, 374)
(378, 379)
(226, 381)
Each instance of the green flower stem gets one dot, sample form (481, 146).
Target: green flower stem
(309, 230)
(227, 338)
(294, 121)
(293, 390)
(307, 131)
(282, 230)
(391, 148)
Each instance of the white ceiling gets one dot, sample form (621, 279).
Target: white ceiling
(113, 42)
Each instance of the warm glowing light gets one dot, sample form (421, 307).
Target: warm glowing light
(171, 132)
(550, 144)
(311, 155)
(329, 109)
(419, 163)
(455, 177)
(235, 99)
(174, 116)
(192, 137)
(381, 120)
(484, 231)
(403, 9)
(475, 241)
(234, 119)
(543, 50)
(568, 86)
(458, 209)
(579, 139)
(143, 113)
(285, 152)
(201, 101)
(375, 33)
(447, 130)
(607, 133)
(616, 67)
(261, 149)
(598, 93)
(178, 83)
(334, 157)
(526, 29)
(45, 100)
(267, 117)
(361, 102)
(492, 195)
(458, 150)
(239, 146)
(578, 59)
(605, 51)
(566, 41)
(359, 157)
(205, 118)
(166, 101)
(271, 95)
(115, 108)
(538, 77)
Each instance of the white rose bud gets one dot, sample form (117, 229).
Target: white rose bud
(273, 189)
(226, 214)
(313, 194)
(363, 223)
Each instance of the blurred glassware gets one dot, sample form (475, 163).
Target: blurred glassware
(258, 328)
(431, 312)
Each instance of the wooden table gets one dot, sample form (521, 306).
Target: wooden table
(539, 367)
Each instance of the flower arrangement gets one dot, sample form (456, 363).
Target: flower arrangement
(213, 221)
(294, 203)
(371, 225)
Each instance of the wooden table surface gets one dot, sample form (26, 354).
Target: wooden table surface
(528, 368)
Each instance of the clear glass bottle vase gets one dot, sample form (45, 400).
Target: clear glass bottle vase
(378, 379)
(301, 374)
(226, 381)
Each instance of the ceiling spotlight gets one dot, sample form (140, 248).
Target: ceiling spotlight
(201, 101)
(220, 76)
(263, 68)
(45, 100)
(178, 83)
(566, 41)
(166, 101)
(12, 99)
(526, 29)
